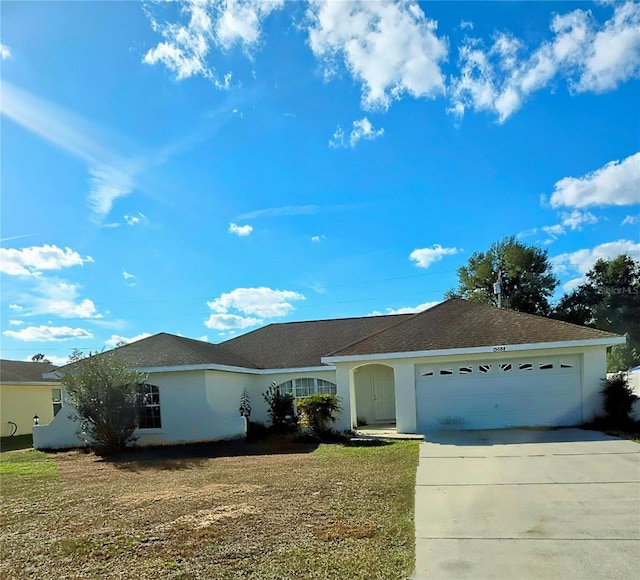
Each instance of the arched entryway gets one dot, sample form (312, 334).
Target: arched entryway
(375, 394)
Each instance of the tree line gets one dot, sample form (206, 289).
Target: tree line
(608, 298)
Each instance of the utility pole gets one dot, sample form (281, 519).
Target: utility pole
(497, 289)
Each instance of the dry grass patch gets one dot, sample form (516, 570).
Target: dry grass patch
(262, 510)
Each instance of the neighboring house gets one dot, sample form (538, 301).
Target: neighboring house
(458, 365)
(24, 393)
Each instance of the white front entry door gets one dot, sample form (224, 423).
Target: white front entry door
(384, 396)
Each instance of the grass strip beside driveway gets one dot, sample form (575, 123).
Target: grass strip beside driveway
(265, 510)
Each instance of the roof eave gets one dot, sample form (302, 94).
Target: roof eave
(476, 350)
(233, 369)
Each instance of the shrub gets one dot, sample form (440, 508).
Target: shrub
(245, 405)
(105, 393)
(319, 411)
(283, 419)
(618, 398)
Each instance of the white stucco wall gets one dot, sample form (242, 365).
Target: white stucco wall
(593, 371)
(192, 409)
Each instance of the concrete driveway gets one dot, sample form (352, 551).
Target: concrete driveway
(528, 504)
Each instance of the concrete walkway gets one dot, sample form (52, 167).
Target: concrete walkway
(526, 504)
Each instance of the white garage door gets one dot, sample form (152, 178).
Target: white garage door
(493, 394)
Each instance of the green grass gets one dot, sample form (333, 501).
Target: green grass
(27, 471)
(267, 510)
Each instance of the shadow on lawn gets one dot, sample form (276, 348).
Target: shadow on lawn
(16, 442)
(176, 457)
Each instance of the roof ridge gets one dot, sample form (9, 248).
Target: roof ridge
(409, 315)
(251, 364)
(292, 322)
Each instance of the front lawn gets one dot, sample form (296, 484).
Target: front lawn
(263, 510)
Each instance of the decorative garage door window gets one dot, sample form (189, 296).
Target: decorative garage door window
(307, 386)
(148, 407)
(495, 368)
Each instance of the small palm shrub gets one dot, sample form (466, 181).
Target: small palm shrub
(618, 399)
(318, 412)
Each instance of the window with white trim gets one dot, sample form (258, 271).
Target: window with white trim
(326, 387)
(56, 399)
(305, 386)
(148, 407)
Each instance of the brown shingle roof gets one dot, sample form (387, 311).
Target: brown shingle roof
(458, 323)
(452, 324)
(16, 371)
(303, 344)
(168, 350)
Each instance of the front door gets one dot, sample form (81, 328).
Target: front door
(384, 397)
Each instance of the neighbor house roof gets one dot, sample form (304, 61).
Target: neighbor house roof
(303, 344)
(459, 324)
(17, 371)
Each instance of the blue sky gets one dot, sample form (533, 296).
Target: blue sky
(209, 167)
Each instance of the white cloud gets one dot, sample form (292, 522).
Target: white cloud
(134, 220)
(570, 220)
(594, 58)
(630, 220)
(240, 22)
(126, 275)
(204, 338)
(116, 339)
(106, 185)
(55, 360)
(614, 54)
(466, 25)
(263, 302)
(617, 183)
(582, 261)
(48, 333)
(186, 46)
(390, 48)
(362, 129)
(424, 257)
(15, 307)
(241, 231)
(70, 309)
(60, 298)
(31, 261)
(230, 321)
(16, 322)
(576, 219)
(317, 239)
(5, 51)
(406, 309)
(287, 210)
(573, 283)
(111, 176)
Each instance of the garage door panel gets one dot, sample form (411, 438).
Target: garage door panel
(549, 394)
